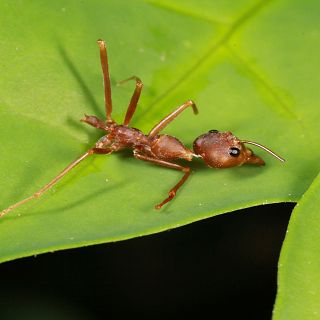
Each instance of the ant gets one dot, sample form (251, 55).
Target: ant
(217, 149)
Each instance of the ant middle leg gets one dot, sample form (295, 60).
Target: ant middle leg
(165, 121)
(134, 99)
(167, 164)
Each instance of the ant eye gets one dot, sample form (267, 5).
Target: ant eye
(213, 131)
(234, 152)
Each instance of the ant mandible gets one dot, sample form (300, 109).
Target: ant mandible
(216, 149)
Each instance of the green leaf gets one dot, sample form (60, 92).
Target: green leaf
(251, 66)
(299, 266)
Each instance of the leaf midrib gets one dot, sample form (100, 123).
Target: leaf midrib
(234, 27)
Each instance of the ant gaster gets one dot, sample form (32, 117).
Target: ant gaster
(216, 149)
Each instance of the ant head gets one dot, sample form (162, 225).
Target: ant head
(224, 150)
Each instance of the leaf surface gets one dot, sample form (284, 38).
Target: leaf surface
(299, 265)
(245, 65)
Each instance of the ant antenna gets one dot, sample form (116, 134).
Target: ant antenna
(264, 148)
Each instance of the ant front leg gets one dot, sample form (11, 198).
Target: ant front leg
(134, 99)
(171, 165)
(165, 121)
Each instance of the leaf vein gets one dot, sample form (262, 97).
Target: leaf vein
(212, 49)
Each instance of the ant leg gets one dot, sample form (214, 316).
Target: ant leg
(171, 165)
(134, 99)
(56, 179)
(164, 122)
(95, 122)
(106, 79)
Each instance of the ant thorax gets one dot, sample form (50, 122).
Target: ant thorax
(170, 148)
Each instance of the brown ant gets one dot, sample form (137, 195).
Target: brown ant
(216, 149)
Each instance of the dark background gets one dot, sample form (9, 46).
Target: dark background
(224, 267)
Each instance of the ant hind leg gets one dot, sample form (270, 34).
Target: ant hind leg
(56, 179)
(95, 122)
(106, 79)
(134, 99)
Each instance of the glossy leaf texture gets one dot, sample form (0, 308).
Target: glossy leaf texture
(251, 66)
(299, 265)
